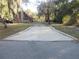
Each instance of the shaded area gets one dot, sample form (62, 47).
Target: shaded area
(38, 50)
(12, 29)
(71, 30)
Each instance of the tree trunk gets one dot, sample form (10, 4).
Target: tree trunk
(3, 22)
(47, 16)
(10, 9)
(5, 25)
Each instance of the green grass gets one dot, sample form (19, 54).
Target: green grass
(12, 29)
(71, 30)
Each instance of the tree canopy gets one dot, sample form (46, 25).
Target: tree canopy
(9, 8)
(59, 8)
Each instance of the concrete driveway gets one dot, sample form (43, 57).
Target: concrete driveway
(39, 33)
(39, 42)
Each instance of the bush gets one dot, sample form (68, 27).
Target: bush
(70, 20)
(66, 20)
(77, 19)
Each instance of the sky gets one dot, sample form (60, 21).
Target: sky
(32, 5)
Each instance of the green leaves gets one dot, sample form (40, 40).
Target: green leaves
(8, 8)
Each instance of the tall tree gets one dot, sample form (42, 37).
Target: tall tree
(46, 8)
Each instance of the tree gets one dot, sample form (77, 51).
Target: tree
(1, 11)
(46, 8)
(8, 10)
(62, 7)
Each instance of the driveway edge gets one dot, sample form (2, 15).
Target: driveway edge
(17, 33)
(64, 33)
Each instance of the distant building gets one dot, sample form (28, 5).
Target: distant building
(22, 17)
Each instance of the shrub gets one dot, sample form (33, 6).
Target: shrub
(66, 20)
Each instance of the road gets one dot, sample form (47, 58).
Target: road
(39, 42)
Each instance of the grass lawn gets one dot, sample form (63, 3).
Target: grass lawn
(71, 30)
(12, 29)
